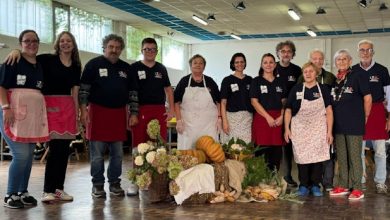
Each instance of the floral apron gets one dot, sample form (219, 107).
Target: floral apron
(308, 131)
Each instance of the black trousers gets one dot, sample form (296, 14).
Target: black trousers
(56, 164)
(272, 155)
(288, 157)
(310, 174)
(328, 171)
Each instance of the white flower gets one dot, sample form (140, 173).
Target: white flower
(139, 161)
(143, 148)
(236, 147)
(161, 150)
(150, 156)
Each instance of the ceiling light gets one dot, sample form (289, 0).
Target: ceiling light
(383, 7)
(200, 20)
(311, 33)
(294, 14)
(240, 6)
(235, 36)
(364, 3)
(211, 17)
(320, 11)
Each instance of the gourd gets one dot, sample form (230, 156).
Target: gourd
(195, 153)
(212, 149)
(204, 142)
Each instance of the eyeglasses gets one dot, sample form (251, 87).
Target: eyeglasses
(362, 50)
(31, 41)
(237, 62)
(153, 50)
(285, 51)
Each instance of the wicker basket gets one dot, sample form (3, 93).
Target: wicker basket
(158, 190)
(240, 156)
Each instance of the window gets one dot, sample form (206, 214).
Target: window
(18, 15)
(61, 18)
(173, 53)
(89, 29)
(133, 43)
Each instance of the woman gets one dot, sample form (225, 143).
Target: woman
(351, 106)
(236, 109)
(310, 112)
(61, 76)
(268, 96)
(23, 119)
(197, 106)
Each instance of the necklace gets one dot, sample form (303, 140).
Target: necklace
(338, 92)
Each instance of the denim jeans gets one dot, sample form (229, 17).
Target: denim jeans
(114, 170)
(379, 147)
(21, 163)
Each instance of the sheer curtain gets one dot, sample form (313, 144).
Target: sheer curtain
(173, 53)
(18, 15)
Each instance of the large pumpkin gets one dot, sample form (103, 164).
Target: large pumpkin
(215, 153)
(195, 153)
(204, 142)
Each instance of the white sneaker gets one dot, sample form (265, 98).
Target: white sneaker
(48, 197)
(63, 196)
(132, 190)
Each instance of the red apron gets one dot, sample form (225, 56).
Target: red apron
(376, 123)
(106, 124)
(263, 134)
(61, 115)
(145, 115)
(30, 125)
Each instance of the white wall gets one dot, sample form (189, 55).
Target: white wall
(218, 54)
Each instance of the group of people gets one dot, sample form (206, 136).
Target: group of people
(285, 110)
(305, 114)
(43, 96)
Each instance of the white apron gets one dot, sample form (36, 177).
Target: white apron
(308, 131)
(199, 114)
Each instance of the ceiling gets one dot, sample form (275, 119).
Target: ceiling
(262, 19)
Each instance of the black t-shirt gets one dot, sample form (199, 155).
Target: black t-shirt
(348, 108)
(295, 97)
(21, 75)
(58, 79)
(289, 75)
(269, 94)
(151, 82)
(378, 78)
(110, 83)
(183, 84)
(236, 93)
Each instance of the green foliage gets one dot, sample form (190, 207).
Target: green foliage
(258, 172)
(236, 146)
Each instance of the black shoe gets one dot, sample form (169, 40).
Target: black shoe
(13, 201)
(116, 190)
(27, 199)
(98, 191)
(290, 181)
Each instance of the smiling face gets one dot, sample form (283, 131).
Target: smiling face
(268, 64)
(113, 50)
(317, 58)
(149, 50)
(366, 52)
(30, 44)
(285, 54)
(66, 44)
(239, 64)
(309, 74)
(197, 65)
(343, 62)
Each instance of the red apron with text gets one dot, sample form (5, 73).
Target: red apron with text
(61, 115)
(106, 124)
(309, 130)
(376, 123)
(30, 125)
(263, 134)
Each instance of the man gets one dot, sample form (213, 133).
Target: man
(289, 73)
(376, 125)
(317, 58)
(107, 87)
(154, 90)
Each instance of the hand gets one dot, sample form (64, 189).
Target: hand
(169, 115)
(287, 135)
(8, 117)
(225, 127)
(219, 125)
(388, 125)
(279, 121)
(13, 56)
(133, 120)
(180, 126)
(329, 138)
(84, 117)
(270, 121)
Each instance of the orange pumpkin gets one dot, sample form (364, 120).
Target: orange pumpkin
(215, 153)
(204, 142)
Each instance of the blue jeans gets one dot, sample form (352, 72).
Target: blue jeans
(21, 163)
(114, 170)
(379, 147)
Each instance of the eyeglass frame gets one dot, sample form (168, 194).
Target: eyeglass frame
(369, 50)
(152, 50)
(29, 42)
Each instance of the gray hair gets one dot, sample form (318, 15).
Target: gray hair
(341, 52)
(316, 50)
(365, 41)
(113, 37)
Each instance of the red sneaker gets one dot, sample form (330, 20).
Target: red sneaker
(356, 195)
(339, 191)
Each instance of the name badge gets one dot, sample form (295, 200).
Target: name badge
(103, 72)
(141, 74)
(234, 87)
(263, 89)
(299, 95)
(21, 79)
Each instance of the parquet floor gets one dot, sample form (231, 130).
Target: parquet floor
(78, 184)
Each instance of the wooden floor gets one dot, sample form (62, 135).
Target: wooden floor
(78, 184)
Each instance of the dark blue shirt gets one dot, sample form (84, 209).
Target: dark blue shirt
(236, 93)
(269, 94)
(289, 74)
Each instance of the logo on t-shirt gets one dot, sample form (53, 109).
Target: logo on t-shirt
(158, 75)
(316, 94)
(248, 86)
(39, 84)
(348, 90)
(279, 89)
(122, 74)
(291, 78)
(374, 79)
(21, 79)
